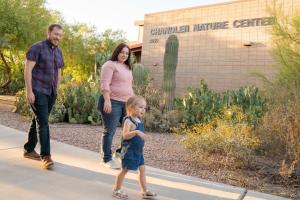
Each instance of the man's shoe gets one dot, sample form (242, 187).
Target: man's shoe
(112, 165)
(47, 162)
(32, 155)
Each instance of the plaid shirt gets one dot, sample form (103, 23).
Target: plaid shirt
(48, 60)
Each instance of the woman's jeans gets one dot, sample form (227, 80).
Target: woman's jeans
(110, 121)
(39, 125)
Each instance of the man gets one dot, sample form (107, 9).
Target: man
(43, 65)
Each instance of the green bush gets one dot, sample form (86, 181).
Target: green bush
(200, 105)
(58, 113)
(22, 106)
(162, 121)
(156, 117)
(76, 103)
(140, 78)
(249, 99)
(17, 77)
(17, 74)
(80, 101)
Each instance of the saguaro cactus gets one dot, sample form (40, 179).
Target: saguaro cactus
(170, 64)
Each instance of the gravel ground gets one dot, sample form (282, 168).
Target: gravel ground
(163, 151)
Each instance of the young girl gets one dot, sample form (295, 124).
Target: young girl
(132, 147)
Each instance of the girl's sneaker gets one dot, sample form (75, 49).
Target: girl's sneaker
(119, 194)
(149, 195)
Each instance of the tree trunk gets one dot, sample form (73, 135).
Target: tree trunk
(7, 70)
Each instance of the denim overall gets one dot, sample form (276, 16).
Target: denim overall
(132, 149)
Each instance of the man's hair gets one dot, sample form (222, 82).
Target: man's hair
(52, 26)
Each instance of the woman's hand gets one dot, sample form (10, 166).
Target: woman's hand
(107, 106)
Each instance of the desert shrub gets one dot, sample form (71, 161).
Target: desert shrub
(22, 106)
(228, 134)
(58, 113)
(200, 105)
(80, 101)
(280, 134)
(162, 121)
(76, 103)
(253, 104)
(157, 118)
(140, 77)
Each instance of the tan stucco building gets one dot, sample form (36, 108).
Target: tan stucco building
(221, 43)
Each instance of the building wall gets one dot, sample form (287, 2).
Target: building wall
(222, 57)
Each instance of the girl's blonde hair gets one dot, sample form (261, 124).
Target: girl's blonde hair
(132, 102)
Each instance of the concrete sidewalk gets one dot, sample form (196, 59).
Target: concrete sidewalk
(78, 174)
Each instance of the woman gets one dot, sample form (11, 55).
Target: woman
(116, 88)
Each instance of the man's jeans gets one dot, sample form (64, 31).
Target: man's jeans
(111, 121)
(39, 124)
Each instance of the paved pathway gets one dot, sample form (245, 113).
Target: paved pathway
(78, 174)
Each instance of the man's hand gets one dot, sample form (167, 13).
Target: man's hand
(30, 97)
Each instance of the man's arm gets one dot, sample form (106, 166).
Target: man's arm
(58, 78)
(28, 77)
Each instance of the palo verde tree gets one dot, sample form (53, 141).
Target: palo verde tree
(109, 39)
(286, 40)
(281, 123)
(21, 23)
(79, 45)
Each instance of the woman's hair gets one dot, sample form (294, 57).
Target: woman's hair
(132, 102)
(118, 50)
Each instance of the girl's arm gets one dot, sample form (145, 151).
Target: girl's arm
(127, 132)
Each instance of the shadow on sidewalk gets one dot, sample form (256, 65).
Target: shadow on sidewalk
(66, 182)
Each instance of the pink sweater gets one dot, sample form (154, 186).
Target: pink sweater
(116, 78)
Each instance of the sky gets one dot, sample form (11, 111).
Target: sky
(118, 14)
